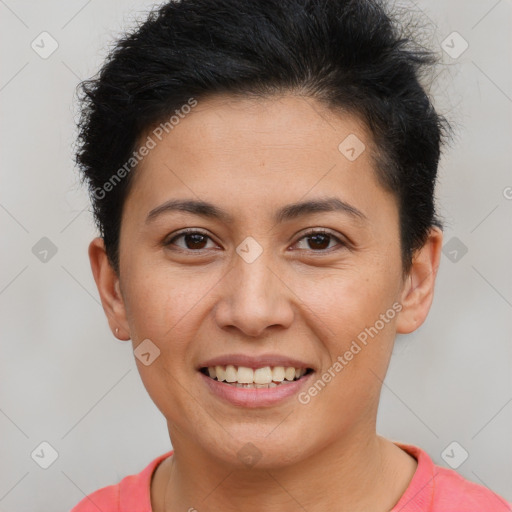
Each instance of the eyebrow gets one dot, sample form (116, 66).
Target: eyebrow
(286, 213)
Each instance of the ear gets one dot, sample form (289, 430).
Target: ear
(418, 289)
(107, 282)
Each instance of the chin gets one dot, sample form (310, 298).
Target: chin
(261, 450)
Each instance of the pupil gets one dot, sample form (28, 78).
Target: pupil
(197, 240)
(322, 245)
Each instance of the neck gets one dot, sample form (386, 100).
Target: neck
(365, 472)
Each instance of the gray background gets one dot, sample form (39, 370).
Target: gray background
(67, 381)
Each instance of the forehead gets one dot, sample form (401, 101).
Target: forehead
(268, 125)
(258, 152)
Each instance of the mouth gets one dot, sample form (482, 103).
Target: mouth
(256, 378)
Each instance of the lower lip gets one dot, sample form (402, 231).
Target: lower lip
(255, 397)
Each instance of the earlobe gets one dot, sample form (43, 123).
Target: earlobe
(107, 282)
(418, 290)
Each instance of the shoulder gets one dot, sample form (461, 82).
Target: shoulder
(454, 492)
(131, 494)
(437, 489)
(106, 498)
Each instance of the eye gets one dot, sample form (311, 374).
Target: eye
(319, 240)
(194, 240)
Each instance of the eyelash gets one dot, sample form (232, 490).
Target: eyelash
(310, 233)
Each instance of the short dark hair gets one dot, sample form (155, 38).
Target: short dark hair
(351, 55)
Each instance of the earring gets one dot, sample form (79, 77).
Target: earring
(117, 330)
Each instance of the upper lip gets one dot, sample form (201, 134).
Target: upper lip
(255, 361)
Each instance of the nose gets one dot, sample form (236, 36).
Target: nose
(254, 298)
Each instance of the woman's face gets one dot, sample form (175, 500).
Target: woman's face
(254, 288)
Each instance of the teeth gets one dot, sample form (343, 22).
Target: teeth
(289, 373)
(231, 374)
(263, 375)
(278, 374)
(221, 373)
(243, 376)
(270, 385)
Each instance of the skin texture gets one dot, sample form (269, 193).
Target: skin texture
(251, 157)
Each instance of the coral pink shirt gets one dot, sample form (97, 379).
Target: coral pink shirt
(432, 489)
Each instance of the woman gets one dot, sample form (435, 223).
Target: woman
(262, 174)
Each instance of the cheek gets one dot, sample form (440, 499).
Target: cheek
(163, 300)
(165, 307)
(357, 343)
(348, 301)
(355, 319)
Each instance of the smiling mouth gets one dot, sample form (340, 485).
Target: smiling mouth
(244, 377)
